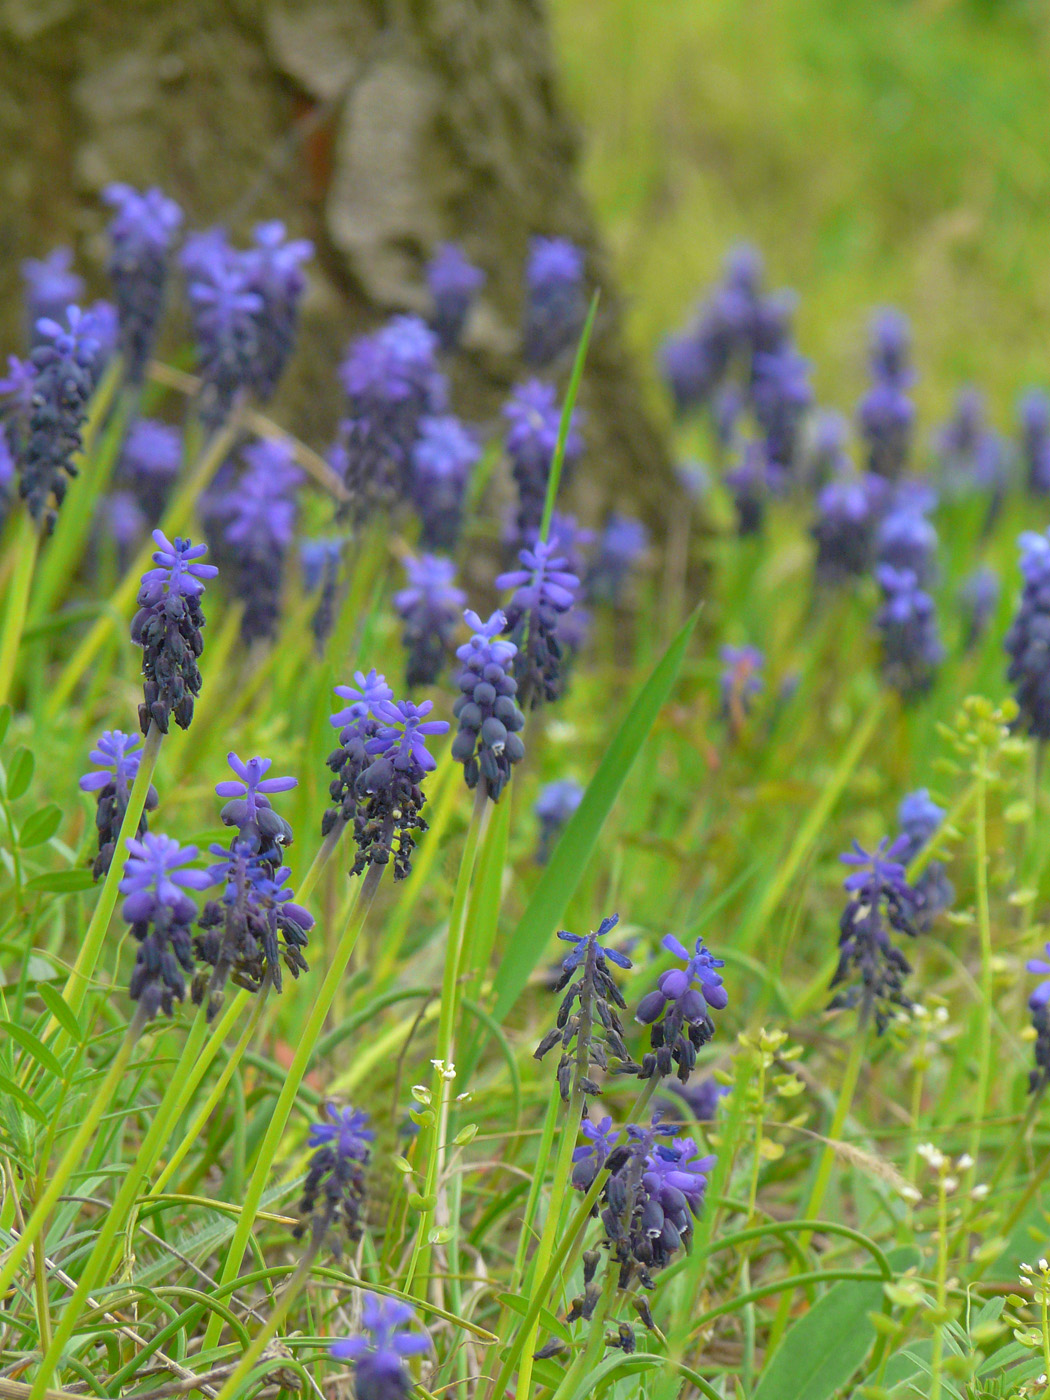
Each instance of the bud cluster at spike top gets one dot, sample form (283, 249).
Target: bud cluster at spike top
(305, 941)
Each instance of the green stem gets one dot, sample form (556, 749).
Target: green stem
(27, 545)
(320, 860)
(179, 512)
(984, 928)
(937, 1354)
(288, 1296)
(37, 1221)
(290, 1087)
(79, 979)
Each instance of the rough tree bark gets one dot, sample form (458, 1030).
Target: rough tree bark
(375, 128)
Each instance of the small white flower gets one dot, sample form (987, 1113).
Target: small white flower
(447, 1072)
(932, 1156)
(980, 1191)
(950, 1184)
(911, 1194)
(965, 1162)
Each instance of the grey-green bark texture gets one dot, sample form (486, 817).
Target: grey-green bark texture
(374, 128)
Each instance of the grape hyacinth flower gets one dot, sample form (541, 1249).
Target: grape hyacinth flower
(905, 539)
(749, 482)
(972, 457)
(389, 791)
(555, 305)
(391, 381)
(260, 513)
(252, 928)
(160, 914)
(978, 600)
(488, 742)
(226, 310)
(621, 546)
(141, 233)
(379, 1371)
(248, 805)
(430, 608)
(678, 1010)
(740, 684)
(443, 458)
(919, 817)
(886, 414)
(117, 757)
(907, 625)
(868, 960)
(58, 391)
(589, 1158)
(150, 463)
(555, 805)
(826, 458)
(1033, 415)
(8, 476)
(592, 1034)
(847, 514)
(701, 1099)
(1039, 1005)
(533, 417)
(453, 283)
(687, 369)
(358, 726)
(1028, 640)
(276, 277)
(781, 393)
(50, 286)
(333, 1196)
(543, 591)
(320, 560)
(168, 628)
(120, 518)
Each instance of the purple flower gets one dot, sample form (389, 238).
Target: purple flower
(122, 519)
(581, 944)
(488, 741)
(443, 458)
(260, 514)
(454, 283)
(276, 277)
(749, 483)
(555, 306)
(905, 539)
(141, 233)
(621, 546)
(50, 286)
(249, 806)
(740, 684)
(907, 625)
(403, 734)
(847, 513)
(150, 462)
(879, 894)
(117, 756)
(556, 803)
(168, 628)
(227, 311)
(1033, 413)
(430, 607)
(1039, 1005)
(590, 1156)
(533, 417)
(1028, 640)
(972, 457)
(886, 414)
(48, 437)
(357, 726)
(678, 1010)
(781, 392)
(702, 1099)
(686, 366)
(919, 818)
(544, 590)
(889, 348)
(379, 1372)
(320, 560)
(978, 599)
(334, 1189)
(364, 696)
(160, 913)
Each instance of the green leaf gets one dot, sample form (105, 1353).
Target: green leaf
(40, 826)
(548, 1322)
(35, 1048)
(19, 773)
(15, 1090)
(5, 720)
(61, 1012)
(824, 1347)
(566, 867)
(61, 882)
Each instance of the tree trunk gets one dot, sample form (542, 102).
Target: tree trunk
(375, 128)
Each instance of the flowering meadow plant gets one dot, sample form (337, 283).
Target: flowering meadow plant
(508, 1026)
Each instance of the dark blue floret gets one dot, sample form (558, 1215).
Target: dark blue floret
(905, 539)
(333, 1196)
(1028, 640)
(430, 607)
(555, 805)
(141, 234)
(117, 757)
(555, 304)
(533, 416)
(357, 725)
(454, 283)
(248, 805)
(919, 817)
(274, 274)
(544, 591)
(1039, 1006)
(886, 414)
(379, 1371)
(50, 286)
(227, 310)
(907, 625)
(150, 463)
(871, 970)
(160, 914)
(749, 483)
(443, 458)
(678, 1011)
(848, 511)
(621, 546)
(168, 628)
(488, 742)
(389, 793)
(1033, 415)
(973, 459)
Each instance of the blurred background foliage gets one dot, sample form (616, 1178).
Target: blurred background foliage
(880, 153)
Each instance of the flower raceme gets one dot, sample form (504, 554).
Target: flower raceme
(248, 806)
(117, 756)
(160, 913)
(141, 235)
(454, 283)
(168, 628)
(868, 960)
(544, 590)
(379, 1357)
(430, 608)
(488, 741)
(334, 1188)
(678, 1011)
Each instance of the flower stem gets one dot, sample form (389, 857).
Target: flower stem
(282, 1110)
(984, 928)
(26, 547)
(79, 979)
